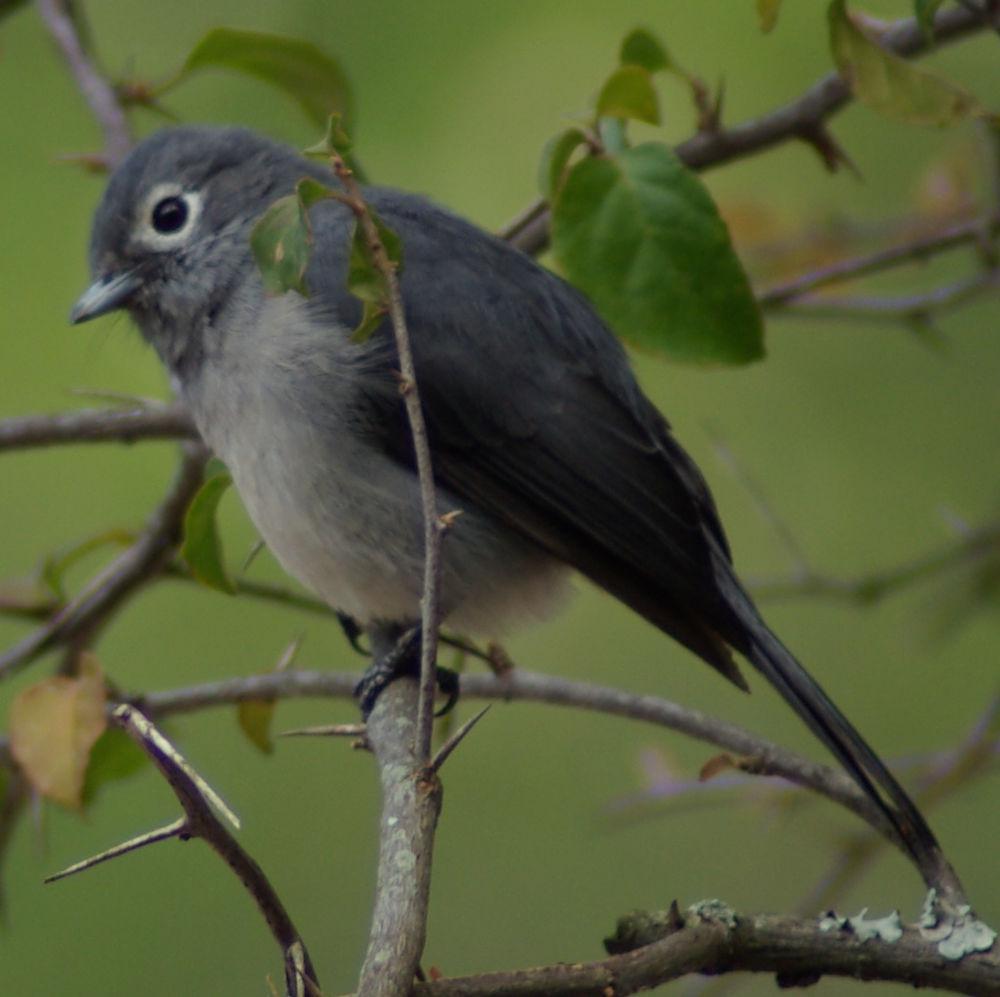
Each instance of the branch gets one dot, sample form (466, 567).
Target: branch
(97, 92)
(151, 422)
(757, 755)
(872, 588)
(803, 118)
(712, 939)
(978, 231)
(200, 821)
(411, 804)
(135, 566)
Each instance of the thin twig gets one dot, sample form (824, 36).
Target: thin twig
(977, 231)
(135, 566)
(98, 93)
(902, 307)
(430, 611)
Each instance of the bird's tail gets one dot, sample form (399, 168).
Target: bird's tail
(780, 667)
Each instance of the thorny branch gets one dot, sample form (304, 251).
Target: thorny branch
(200, 821)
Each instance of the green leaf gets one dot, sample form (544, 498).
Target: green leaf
(555, 156)
(56, 565)
(298, 67)
(202, 549)
(640, 235)
(281, 242)
(890, 85)
(642, 48)
(115, 756)
(767, 14)
(254, 717)
(629, 93)
(365, 280)
(924, 11)
(334, 140)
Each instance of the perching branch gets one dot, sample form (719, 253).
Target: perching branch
(98, 93)
(411, 804)
(754, 754)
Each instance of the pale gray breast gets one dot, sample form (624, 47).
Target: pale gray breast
(340, 515)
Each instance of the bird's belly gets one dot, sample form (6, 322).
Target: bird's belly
(347, 522)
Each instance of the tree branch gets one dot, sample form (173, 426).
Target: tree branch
(714, 940)
(149, 422)
(411, 804)
(757, 755)
(97, 92)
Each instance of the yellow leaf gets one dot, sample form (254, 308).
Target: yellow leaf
(53, 726)
(889, 84)
(254, 716)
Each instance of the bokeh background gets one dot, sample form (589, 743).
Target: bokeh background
(868, 443)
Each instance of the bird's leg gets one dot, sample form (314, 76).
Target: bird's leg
(396, 652)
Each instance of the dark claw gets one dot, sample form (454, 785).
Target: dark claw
(447, 683)
(352, 631)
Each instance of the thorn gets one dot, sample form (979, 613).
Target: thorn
(326, 730)
(257, 547)
(830, 151)
(172, 830)
(289, 654)
(455, 740)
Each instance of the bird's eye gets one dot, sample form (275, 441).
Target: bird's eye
(170, 214)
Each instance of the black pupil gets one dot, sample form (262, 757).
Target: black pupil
(170, 214)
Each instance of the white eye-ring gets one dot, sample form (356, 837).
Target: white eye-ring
(168, 215)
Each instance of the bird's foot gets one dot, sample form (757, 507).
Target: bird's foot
(403, 659)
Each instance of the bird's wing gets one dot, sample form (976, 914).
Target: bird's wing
(534, 416)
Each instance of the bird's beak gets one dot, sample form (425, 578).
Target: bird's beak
(106, 294)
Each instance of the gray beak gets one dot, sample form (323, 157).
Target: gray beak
(106, 294)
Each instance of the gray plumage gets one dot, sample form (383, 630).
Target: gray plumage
(539, 433)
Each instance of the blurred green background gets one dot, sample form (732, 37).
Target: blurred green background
(867, 443)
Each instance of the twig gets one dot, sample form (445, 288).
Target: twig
(411, 804)
(131, 569)
(904, 307)
(97, 92)
(803, 118)
(430, 612)
(873, 587)
(155, 422)
(979, 230)
(715, 940)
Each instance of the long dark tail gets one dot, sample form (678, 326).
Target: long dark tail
(779, 666)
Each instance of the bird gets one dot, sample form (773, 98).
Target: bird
(538, 430)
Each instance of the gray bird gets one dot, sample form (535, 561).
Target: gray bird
(539, 432)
